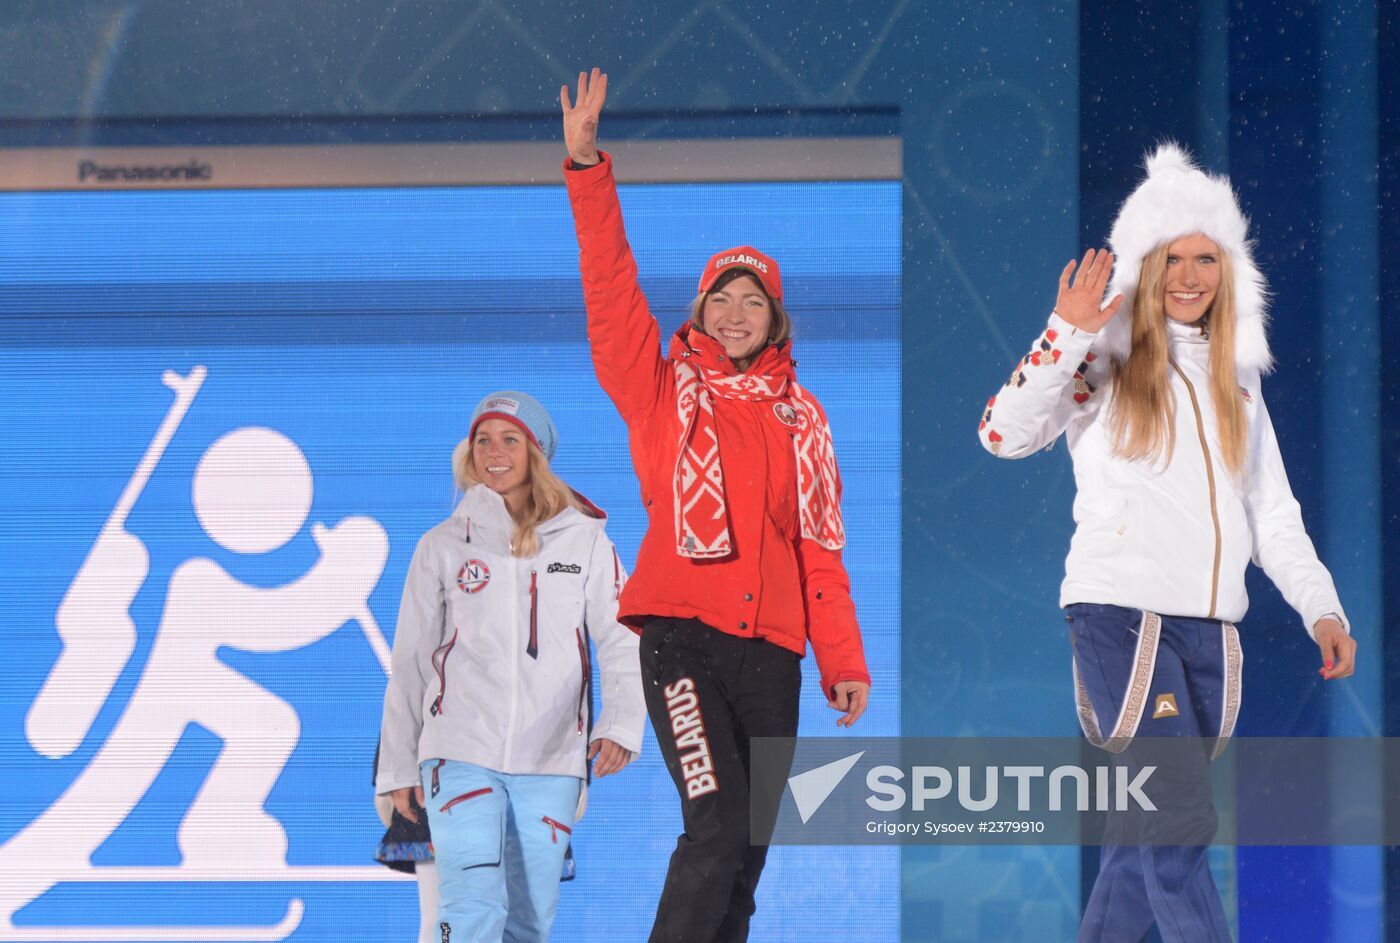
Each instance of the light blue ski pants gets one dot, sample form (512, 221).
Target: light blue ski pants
(499, 842)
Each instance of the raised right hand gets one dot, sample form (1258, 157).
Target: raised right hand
(581, 119)
(1082, 305)
(401, 803)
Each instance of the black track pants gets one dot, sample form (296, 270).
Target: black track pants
(707, 694)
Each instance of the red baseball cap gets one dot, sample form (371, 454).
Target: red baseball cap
(750, 260)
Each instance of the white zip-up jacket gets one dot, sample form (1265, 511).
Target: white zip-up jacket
(1172, 537)
(491, 661)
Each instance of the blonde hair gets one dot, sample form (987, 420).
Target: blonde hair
(548, 494)
(779, 331)
(1143, 412)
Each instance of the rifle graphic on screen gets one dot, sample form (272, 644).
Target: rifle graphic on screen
(94, 619)
(252, 493)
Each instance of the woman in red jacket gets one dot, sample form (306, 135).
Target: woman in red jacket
(741, 562)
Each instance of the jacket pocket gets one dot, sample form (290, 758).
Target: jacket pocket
(466, 797)
(469, 831)
(585, 702)
(440, 668)
(1099, 623)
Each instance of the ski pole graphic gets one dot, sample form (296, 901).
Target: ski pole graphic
(375, 637)
(94, 619)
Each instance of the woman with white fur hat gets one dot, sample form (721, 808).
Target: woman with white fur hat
(488, 720)
(1180, 484)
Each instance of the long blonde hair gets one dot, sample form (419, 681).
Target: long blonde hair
(548, 495)
(1143, 412)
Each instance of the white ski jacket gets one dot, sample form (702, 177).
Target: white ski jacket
(1172, 537)
(491, 661)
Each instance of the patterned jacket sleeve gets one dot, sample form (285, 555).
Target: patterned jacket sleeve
(1048, 388)
(623, 335)
(1282, 548)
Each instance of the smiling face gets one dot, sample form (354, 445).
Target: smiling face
(1192, 278)
(501, 460)
(738, 315)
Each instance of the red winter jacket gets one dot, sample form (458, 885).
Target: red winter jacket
(776, 585)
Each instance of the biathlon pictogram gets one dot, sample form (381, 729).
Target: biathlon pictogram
(251, 491)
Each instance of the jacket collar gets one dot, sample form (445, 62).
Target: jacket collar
(1179, 333)
(691, 345)
(485, 512)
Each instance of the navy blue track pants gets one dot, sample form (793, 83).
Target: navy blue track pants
(1141, 675)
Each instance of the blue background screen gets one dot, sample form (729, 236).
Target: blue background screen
(360, 327)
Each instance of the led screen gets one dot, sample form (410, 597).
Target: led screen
(228, 416)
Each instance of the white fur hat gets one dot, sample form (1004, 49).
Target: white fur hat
(1178, 199)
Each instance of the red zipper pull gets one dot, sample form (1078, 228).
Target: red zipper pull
(555, 828)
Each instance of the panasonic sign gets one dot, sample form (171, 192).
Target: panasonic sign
(90, 171)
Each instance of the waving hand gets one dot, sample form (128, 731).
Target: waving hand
(1082, 304)
(581, 117)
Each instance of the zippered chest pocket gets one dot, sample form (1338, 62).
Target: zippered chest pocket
(558, 601)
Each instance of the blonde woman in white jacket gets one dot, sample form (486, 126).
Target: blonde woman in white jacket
(1179, 485)
(487, 716)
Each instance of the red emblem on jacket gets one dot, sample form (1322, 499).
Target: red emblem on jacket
(473, 576)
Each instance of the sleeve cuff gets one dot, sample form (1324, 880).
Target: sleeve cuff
(383, 789)
(607, 732)
(578, 176)
(1311, 625)
(1069, 335)
(829, 686)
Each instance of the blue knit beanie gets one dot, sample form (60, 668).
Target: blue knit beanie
(524, 411)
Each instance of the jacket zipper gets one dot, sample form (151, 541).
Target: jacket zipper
(1210, 484)
(555, 827)
(513, 713)
(533, 648)
(440, 666)
(587, 675)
